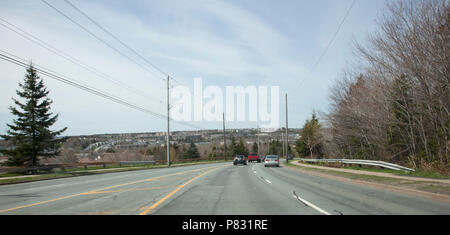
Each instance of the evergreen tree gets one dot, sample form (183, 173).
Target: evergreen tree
(233, 146)
(30, 133)
(311, 136)
(255, 147)
(241, 149)
(275, 148)
(301, 148)
(192, 152)
(403, 135)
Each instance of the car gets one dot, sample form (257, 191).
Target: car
(253, 157)
(290, 157)
(240, 159)
(261, 158)
(272, 160)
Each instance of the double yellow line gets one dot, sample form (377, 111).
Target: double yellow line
(146, 211)
(120, 185)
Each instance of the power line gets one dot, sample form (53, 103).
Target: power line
(41, 68)
(327, 47)
(60, 53)
(89, 89)
(123, 43)
(99, 39)
(116, 38)
(76, 84)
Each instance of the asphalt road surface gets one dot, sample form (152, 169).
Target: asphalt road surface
(213, 189)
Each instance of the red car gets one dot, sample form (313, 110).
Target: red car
(253, 157)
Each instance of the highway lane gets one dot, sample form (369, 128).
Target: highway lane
(113, 193)
(256, 190)
(234, 190)
(346, 198)
(212, 189)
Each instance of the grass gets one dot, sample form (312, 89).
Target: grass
(436, 189)
(417, 173)
(91, 170)
(10, 174)
(431, 187)
(427, 174)
(371, 178)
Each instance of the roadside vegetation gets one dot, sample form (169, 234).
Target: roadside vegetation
(9, 178)
(393, 103)
(30, 134)
(415, 184)
(417, 173)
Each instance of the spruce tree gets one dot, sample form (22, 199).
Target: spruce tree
(255, 147)
(311, 136)
(241, 149)
(30, 133)
(192, 152)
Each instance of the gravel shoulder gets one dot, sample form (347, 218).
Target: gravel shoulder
(435, 189)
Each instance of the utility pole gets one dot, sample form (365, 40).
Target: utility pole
(168, 122)
(224, 140)
(258, 139)
(282, 140)
(287, 131)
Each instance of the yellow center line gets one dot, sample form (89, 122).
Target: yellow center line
(146, 211)
(125, 190)
(102, 189)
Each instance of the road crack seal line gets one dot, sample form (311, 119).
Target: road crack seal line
(103, 189)
(309, 204)
(152, 207)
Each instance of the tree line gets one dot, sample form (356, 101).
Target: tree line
(393, 104)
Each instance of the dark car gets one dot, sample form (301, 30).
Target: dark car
(240, 159)
(261, 158)
(290, 157)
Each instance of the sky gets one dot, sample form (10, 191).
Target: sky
(225, 43)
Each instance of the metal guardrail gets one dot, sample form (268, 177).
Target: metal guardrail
(360, 162)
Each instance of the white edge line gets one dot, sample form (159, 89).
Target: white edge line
(311, 205)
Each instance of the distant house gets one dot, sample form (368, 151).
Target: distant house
(193, 138)
(3, 159)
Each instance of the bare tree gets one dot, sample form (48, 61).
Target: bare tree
(396, 107)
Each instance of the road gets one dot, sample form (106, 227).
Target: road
(213, 189)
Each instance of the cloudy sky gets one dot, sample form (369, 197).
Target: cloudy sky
(226, 43)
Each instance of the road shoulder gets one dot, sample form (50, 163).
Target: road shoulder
(414, 186)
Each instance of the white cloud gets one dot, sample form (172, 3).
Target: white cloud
(220, 41)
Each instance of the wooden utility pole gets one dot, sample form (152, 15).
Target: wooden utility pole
(287, 131)
(224, 140)
(168, 122)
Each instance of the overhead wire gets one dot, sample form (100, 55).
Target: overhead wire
(101, 40)
(326, 48)
(127, 46)
(34, 39)
(92, 90)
